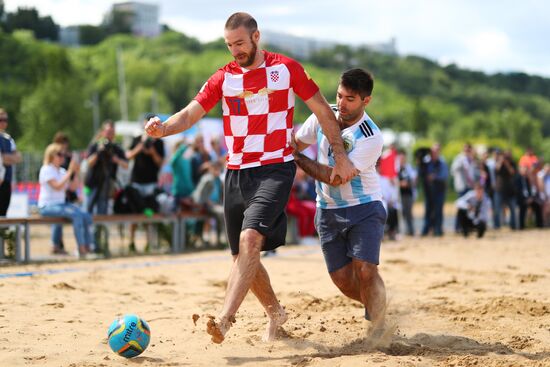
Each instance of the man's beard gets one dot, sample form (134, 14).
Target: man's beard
(350, 116)
(250, 58)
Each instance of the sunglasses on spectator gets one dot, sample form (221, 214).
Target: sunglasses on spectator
(5, 119)
(59, 154)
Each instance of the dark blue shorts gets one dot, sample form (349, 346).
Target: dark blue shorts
(352, 232)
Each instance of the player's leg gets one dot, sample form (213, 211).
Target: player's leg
(233, 216)
(265, 215)
(263, 194)
(329, 223)
(262, 289)
(243, 272)
(344, 279)
(372, 290)
(364, 238)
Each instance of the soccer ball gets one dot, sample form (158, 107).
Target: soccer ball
(129, 336)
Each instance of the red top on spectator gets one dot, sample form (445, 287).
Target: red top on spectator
(388, 163)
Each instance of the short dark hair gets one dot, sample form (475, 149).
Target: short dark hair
(239, 19)
(358, 80)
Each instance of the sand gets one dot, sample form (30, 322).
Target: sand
(453, 301)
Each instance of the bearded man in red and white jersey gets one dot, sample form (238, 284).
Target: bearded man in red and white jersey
(257, 91)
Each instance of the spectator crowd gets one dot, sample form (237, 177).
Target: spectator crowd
(492, 189)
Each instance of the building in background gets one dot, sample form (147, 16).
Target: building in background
(303, 47)
(141, 18)
(70, 36)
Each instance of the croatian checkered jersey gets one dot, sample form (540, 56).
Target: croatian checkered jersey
(258, 108)
(363, 143)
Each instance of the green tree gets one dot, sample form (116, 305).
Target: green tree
(64, 99)
(147, 100)
(91, 34)
(28, 18)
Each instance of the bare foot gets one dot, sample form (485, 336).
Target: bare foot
(276, 319)
(218, 328)
(381, 337)
(379, 333)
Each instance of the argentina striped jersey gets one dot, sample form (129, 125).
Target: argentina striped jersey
(363, 142)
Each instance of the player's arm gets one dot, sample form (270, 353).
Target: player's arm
(178, 122)
(298, 145)
(318, 171)
(320, 107)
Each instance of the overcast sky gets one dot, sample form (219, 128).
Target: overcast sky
(492, 36)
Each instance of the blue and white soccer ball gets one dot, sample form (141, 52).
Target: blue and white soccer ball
(129, 335)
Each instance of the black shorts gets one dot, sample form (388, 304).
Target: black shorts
(256, 198)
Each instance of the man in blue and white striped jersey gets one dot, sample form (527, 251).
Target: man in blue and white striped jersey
(350, 216)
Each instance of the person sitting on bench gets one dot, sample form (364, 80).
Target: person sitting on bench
(51, 201)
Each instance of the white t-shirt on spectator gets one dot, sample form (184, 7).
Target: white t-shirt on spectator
(48, 195)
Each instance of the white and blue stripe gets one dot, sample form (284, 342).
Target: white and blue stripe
(366, 150)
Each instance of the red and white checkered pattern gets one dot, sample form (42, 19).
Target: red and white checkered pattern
(258, 108)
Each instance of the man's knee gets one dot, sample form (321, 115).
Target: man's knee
(343, 279)
(250, 241)
(365, 272)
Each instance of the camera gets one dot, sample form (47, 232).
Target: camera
(105, 147)
(148, 143)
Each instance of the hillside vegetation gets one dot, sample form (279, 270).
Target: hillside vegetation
(46, 88)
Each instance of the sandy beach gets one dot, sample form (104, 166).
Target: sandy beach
(452, 301)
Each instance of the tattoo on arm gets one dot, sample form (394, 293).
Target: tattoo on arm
(318, 171)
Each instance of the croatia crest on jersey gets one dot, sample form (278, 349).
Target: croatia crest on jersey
(274, 75)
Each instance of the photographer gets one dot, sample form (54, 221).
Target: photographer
(148, 155)
(104, 157)
(473, 210)
(505, 188)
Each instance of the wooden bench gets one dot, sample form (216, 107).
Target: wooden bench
(9, 222)
(22, 227)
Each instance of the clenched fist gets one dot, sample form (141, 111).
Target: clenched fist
(155, 128)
